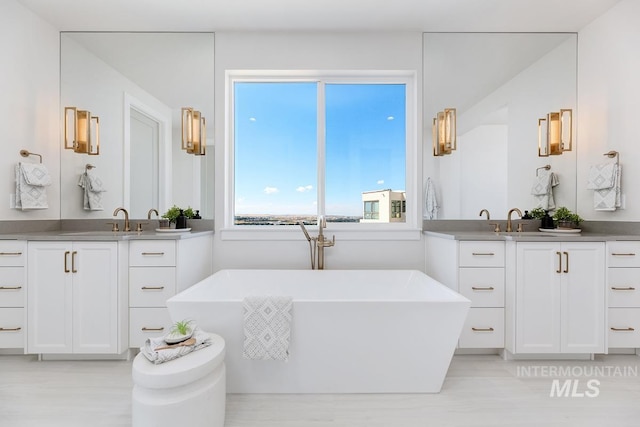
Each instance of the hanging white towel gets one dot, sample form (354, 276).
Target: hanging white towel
(431, 201)
(542, 189)
(149, 348)
(93, 189)
(267, 327)
(31, 180)
(605, 198)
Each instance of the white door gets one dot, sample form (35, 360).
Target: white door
(95, 297)
(583, 297)
(144, 172)
(49, 297)
(538, 282)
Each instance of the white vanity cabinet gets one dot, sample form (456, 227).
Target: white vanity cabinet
(623, 288)
(74, 297)
(13, 284)
(476, 270)
(560, 297)
(158, 269)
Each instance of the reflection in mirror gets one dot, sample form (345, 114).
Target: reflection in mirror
(138, 83)
(500, 85)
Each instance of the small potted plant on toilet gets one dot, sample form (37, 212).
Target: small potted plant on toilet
(181, 330)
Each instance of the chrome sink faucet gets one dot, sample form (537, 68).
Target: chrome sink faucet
(509, 227)
(317, 244)
(127, 225)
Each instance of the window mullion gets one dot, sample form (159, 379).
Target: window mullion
(321, 135)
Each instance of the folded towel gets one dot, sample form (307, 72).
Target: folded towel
(92, 186)
(202, 340)
(602, 176)
(608, 198)
(267, 327)
(542, 189)
(31, 180)
(431, 202)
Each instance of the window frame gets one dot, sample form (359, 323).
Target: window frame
(413, 151)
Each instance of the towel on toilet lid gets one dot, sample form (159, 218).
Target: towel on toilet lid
(267, 327)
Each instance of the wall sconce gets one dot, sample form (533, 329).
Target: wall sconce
(444, 132)
(193, 132)
(86, 131)
(555, 133)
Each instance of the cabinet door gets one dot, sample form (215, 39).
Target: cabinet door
(583, 297)
(538, 297)
(49, 297)
(95, 297)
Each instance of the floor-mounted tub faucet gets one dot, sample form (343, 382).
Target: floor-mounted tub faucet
(317, 244)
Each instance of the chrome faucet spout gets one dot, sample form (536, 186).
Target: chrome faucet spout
(152, 210)
(317, 244)
(127, 225)
(483, 211)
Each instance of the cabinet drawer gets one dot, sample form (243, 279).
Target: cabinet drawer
(12, 328)
(624, 327)
(483, 286)
(484, 328)
(12, 253)
(151, 286)
(147, 323)
(152, 253)
(481, 254)
(12, 286)
(623, 254)
(623, 286)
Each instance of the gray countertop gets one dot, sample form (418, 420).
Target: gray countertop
(534, 236)
(66, 235)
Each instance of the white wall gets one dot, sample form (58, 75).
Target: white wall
(29, 102)
(309, 51)
(609, 104)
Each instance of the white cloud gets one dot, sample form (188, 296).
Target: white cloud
(380, 181)
(252, 119)
(304, 189)
(390, 118)
(270, 190)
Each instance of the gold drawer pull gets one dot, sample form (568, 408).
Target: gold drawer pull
(152, 253)
(145, 329)
(479, 288)
(10, 288)
(482, 329)
(629, 254)
(482, 253)
(623, 329)
(629, 288)
(10, 253)
(10, 329)
(152, 288)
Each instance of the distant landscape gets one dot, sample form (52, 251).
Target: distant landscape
(290, 219)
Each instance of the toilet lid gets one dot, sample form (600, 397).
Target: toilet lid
(183, 370)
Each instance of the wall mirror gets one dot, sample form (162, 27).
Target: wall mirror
(137, 83)
(500, 85)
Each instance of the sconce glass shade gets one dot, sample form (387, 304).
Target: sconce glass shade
(555, 133)
(193, 132)
(566, 129)
(444, 132)
(543, 146)
(81, 131)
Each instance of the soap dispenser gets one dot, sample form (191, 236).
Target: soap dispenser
(547, 221)
(181, 220)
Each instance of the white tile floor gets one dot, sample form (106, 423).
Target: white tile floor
(478, 391)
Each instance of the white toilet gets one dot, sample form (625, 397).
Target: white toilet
(188, 391)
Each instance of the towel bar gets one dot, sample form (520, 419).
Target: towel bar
(27, 153)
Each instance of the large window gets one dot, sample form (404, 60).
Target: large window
(308, 147)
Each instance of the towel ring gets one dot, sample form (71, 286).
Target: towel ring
(545, 167)
(27, 153)
(611, 154)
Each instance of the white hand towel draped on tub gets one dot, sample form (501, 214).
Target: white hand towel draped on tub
(93, 189)
(31, 180)
(542, 189)
(267, 327)
(604, 180)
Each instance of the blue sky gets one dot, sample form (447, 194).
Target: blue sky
(276, 148)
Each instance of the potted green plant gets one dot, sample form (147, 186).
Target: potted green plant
(537, 213)
(180, 331)
(566, 219)
(174, 211)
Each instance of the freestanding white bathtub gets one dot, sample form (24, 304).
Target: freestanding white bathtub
(353, 331)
